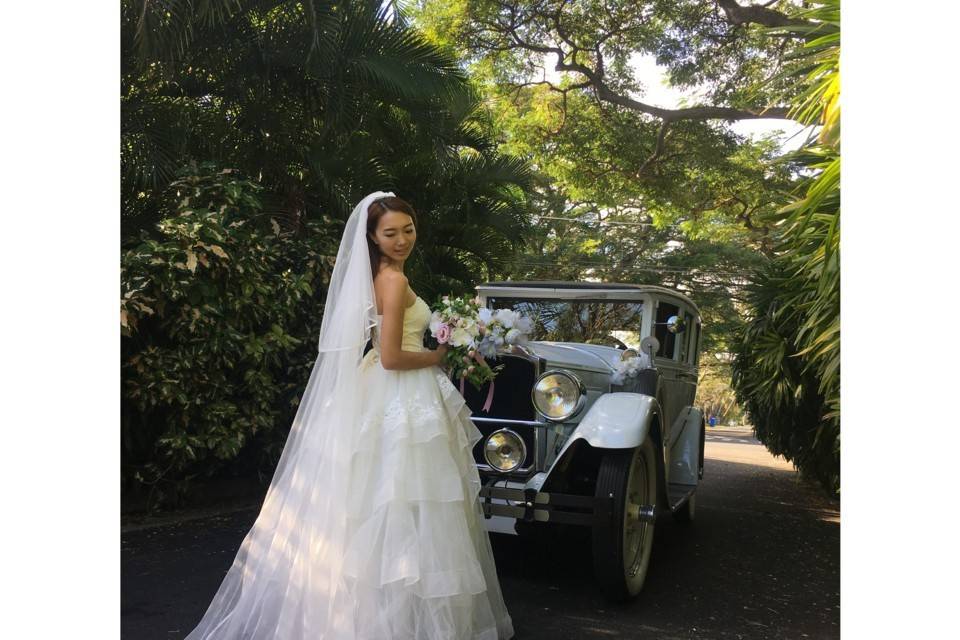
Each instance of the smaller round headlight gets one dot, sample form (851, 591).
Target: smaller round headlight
(557, 395)
(504, 450)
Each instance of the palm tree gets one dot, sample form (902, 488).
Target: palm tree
(320, 102)
(787, 371)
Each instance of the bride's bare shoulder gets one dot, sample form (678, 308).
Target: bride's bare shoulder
(391, 289)
(389, 280)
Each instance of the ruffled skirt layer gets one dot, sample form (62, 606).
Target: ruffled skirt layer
(418, 564)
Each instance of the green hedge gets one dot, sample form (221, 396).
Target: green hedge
(779, 388)
(220, 309)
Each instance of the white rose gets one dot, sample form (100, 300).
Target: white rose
(506, 317)
(460, 337)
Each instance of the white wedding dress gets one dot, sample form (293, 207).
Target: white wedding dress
(371, 528)
(419, 563)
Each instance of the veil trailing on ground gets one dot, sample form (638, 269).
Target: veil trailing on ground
(286, 580)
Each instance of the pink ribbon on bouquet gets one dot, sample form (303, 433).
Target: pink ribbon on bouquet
(489, 401)
(486, 405)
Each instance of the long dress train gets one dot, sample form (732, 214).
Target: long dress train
(371, 530)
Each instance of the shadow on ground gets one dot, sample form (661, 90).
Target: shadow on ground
(761, 561)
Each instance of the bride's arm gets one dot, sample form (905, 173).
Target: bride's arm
(393, 291)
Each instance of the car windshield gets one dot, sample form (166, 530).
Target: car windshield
(604, 322)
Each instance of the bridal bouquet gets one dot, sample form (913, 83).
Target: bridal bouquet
(474, 333)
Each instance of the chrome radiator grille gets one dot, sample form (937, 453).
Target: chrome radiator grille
(511, 407)
(511, 397)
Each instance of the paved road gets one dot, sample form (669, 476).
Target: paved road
(762, 561)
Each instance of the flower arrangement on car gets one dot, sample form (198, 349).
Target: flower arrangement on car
(474, 333)
(627, 370)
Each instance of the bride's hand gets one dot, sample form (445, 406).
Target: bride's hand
(441, 352)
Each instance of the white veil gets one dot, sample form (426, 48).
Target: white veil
(285, 581)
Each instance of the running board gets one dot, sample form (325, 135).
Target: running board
(678, 494)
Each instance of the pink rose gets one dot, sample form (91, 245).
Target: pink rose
(443, 334)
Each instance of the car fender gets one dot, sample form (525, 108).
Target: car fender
(686, 449)
(618, 420)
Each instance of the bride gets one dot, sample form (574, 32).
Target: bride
(371, 527)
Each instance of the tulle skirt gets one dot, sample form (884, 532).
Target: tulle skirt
(418, 564)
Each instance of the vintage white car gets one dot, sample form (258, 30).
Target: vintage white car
(563, 443)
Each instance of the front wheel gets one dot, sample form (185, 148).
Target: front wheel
(621, 547)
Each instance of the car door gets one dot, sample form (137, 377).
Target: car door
(678, 381)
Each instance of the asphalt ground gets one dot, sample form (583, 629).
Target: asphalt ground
(761, 561)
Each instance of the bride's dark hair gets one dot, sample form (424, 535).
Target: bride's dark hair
(374, 213)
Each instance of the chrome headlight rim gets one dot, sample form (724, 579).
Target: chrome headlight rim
(578, 384)
(522, 447)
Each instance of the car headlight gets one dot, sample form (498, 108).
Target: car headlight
(558, 395)
(504, 450)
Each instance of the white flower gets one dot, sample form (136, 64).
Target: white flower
(484, 315)
(524, 324)
(487, 348)
(629, 368)
(435, 321)
(506, 317)
(643, 361)
(460, 337)
(512, 336)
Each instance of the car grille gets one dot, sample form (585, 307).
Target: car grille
(511, 396)
(511, 401)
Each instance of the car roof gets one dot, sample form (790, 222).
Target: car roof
(590, 286)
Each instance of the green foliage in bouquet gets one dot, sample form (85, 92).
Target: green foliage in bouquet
(463, 360)
(218, 313)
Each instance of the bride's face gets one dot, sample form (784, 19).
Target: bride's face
(395, 235)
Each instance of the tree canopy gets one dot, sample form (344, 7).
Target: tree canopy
(633, 191)
(530, 147)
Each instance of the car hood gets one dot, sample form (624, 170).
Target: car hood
(576, 354)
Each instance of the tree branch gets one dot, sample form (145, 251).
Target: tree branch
(661, 138)
(670, 115)
(758, 14)
(513, 28)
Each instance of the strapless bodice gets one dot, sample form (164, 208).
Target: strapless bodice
(416, 318)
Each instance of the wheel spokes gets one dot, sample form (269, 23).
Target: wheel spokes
(638, 515)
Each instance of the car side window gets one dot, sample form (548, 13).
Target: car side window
(667, 340)
(687, 337)
(694, 342)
